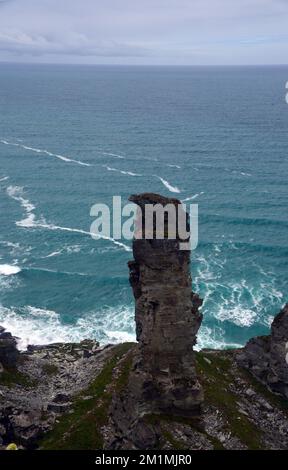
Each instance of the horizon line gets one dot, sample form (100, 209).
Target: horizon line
(5, 62)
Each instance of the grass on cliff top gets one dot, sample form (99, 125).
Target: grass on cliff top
(162, 420)
(274, 400)
(81, 429)
(216, 376)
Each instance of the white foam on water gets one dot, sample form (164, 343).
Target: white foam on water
(16, 193)
(38, 326)
(241, 173)
(54, 253)
(73, 249)
(213, 338)
(120, 337)
(83, 232)
(115, 155)
(241, 302)
(9, 269)
(16, 250)
(174, 166)
(66, 249)
(129, 173)
(237, 172)
(172, 189)
(238, 315)
(5, 178)
(46, 152)
(193, 197)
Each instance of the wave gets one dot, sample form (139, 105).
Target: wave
(240, 316)
(237, 172)
(33, 325)
(213, 338)
(68, 249)
(235, 220)
(16, 193)
(82, 232)
(172, 189)
(173, 166)
(243, 302)
(116, 155)
(9, 270)
(5, 178)
(46, 152)
(192, 197)
(129, 173)
(277, 250)
(16, 250)
(54, 271)
(54, 253)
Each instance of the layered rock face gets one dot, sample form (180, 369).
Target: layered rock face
(167, 318)
(9, 354)
(267, 356)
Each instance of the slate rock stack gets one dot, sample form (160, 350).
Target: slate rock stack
(167, 317)
(163, 378)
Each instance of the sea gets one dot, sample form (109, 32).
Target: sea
(72, 136)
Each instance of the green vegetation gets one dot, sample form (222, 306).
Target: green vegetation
(81, 429)
(273, 399)
(11, 377)
(175, 443)
(50, 369)
(217, 379)
(195, 424)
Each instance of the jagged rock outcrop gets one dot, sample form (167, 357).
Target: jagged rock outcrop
(43, 385)
(164, 378)
(267, 356)
(9, 353)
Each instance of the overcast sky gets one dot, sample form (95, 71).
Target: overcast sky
(205, 32)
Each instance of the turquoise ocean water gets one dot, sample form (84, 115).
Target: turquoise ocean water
(72, 136)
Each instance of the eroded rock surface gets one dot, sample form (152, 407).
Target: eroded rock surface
(167, 320)
(9, 353)
(266, 356)
(163, 379)
(41, 386)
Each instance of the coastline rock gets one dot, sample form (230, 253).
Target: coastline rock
(9, 354)
(42, 387)
(267, 356)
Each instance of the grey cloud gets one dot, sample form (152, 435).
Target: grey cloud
(197, 31)
(19, 42)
